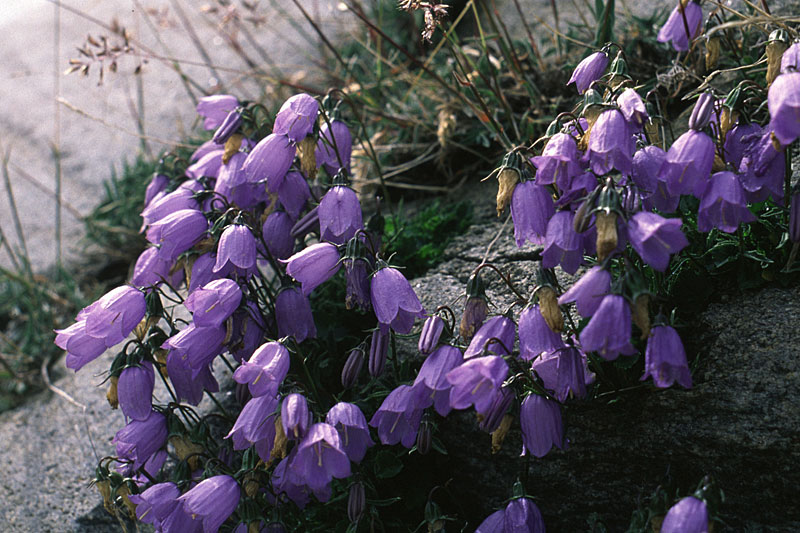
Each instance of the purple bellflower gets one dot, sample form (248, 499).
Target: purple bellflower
(562, 245)
(703, 112)
(212, 501)
(494, 523)
(633, 109)
(236, 248)
(531, 209)
(197, 346)
(762, 168)
(495, 336)
(490, 420)
(296, 117)
(266, 369)
(208, 166)
(269, 161)
(740, 139)
(477, 382)
(688, 164)
(535, 336)
(790, 60)
(562, 373)
(320, 457)
(212, 304)
(140, 439)
(522, 516)
(655, 238)
(783, 100)
(293, 315)
(115, 314)
(351, 424)
(152, 269)
(674, 30)
(314, 265)
(558, 162)
(215, 108)
(587, 292)
(398, 417)
(295, 416)
(589, 70)
(540, 419)
(337, 137)
(277, 234)
(352, 367)
(177, 232)
(180, 198)
(294, 194)
(646, 164)
(432, 329)
(431, 386)
(203, 271)
(256, 424)
(665, 359)
(189, 385)
(230, 124)
(611, 144)
(395, 303)
(81, 347)
(156, 503)
(339, 215)
(233, 185)
(155, 188)
(609, 331)
(135, 390)
(723, 204)
(358, 284)
(689, 515)
(378, 351)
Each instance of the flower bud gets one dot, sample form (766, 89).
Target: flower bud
(548, 306)
(111, 395)
(475, 309)
(583, 215)
(424, 437)
(493, 417)
(352, 367)
(701, 114)
(295, 416)
(308, 159)
(378, 352)
(431, 331)
(507, 180)
(308, 223)
(228, 127)
(606, 234)
(641, 314)
(499, 435)
(356, 502)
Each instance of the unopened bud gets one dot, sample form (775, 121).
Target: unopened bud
(606, 234)
(701, 114)
(641, 314)
(229, 125)
(727, 119)
(431, 331)
(232, 146)
(424, 437)
(475, 311)
(712, 52)
(309, 222)
(352, 367)
(499, 435)
(187, 450)
(111, 394)
(308, 158)
(548, 306)
(378, 352)
(775, 50)
(507, 180)
(356, 502)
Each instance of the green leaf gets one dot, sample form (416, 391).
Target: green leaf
(605, 25)
(387, 465)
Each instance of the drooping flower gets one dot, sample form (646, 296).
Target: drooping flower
(296, 117)
(81, 347)
(476, 382)
(563, 245)
(609, 331)
(495, 336)
(674, 30)
(230, 124)
(535, 336)
(295, 416)
(531, 209)
(177, 232)
(540, 419)
(762, 168)
(398, 417)
(494, 523)
(266, 369)
(357, 293)
(339, 215)
(202, 271)
(269, 161)
(314, 265)
(140, 439)
(665, 358)
(293, 315)
(135, 390)
(335, 138)
(559, 161)
(320, 457)
(655, 238)
(233, 185)
(351, 424)
(431, 386)
(236, 248)
(522, 516)
(589, 70)
(115, 314)
(156, 503)
(633, 109)
(212, 501)
(212, 304)
(256, 424)
(562, 373)
(155, 188)
(723, 204)
(611, 144)
(688, 164)
(294, 193)
(278, 235)
(188, 384)
(689, 515)
(588, 292)
(783, 100)
(197, 346)
(215, 108)
(395, 303)
(207, 167)
(152, 269)
(646, 164)
(494, 414)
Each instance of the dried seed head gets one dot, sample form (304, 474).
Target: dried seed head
(641, 314)
(280, 443)
(499, 435)
(250, 484)
(719, 164)
(606, 234)
(104, 487)
(111, 394)
(232, 146)
(727, 119)
(507, 180)
(653, 129)
(712, 52)
(775, 50)
(187, 450)
(160, 356)
(123, 492)
(308, 158)
(446, 127)
(548, 306)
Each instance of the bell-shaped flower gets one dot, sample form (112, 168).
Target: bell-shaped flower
(320, 457)
(783, 100)
(233, 185)
(334, 140)
(762, 169)
(674, 30)
(495, 336)
(688, 164)
(115, 314)
(357, 294)
(531, 209)
(590, 69)
(476, 382)
(177, 232)
(563, 246)
(665, 359)
(202, 271)
(351, 424)
(156, 503)
(314, 265)
(431, 386)
(295, 416)
(247, 332)
(378, 351)
(277, 233)
(256, 424)
(197, 346)
(266, 369)
(81, 347)
(296, 117)
(215, 108)
(490, 419)
(212, 501)
(140, 439)
(432, 329)
(522, 516)
(395, 303)
(339, 215)
(646, 164)
(611, 144)
(723, 205)
(158, 184)
(212, 304)
(135, 390)
(181, 198)
(535, 336)
(542, 429)
(609, 331)
(494, 523)
(188, 384)
(207, 167)
(293, 315)
(740, 139)
(633, 109)
(689, 515)
(588, 292)
(269, 161)
(655, 238)
(236, 248)
(398, 417)
(562, 373)
(559, 161)
(294, 193)
(230, 124)
(152, 270)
